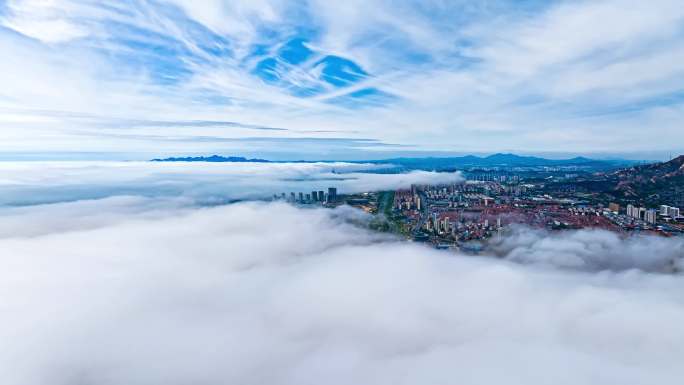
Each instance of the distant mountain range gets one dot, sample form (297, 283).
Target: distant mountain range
(443, 163)
(213, 158)
(502, 160)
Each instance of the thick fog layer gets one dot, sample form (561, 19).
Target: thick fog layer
(29, 183)
(591, 250)
(158, 292)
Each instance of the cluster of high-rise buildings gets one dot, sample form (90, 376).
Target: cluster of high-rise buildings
(407, 200)
(309, 198)
(651, 215)
(642, 213)
(441, 196)
(669, 211)
(484, 176)
(443, 224)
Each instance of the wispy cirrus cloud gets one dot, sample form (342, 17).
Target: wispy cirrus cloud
(551, 76)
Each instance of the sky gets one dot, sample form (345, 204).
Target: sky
(315, 79)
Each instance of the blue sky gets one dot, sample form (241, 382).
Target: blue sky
(315, 79)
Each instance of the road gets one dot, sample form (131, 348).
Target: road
(385, 203)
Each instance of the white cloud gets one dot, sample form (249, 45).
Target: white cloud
(49, 31)
(45, 20)
(45, 219)
(235, 18)
(580, 31)
(591, 250)
(567, 76)
(267, 293)
(48, 182)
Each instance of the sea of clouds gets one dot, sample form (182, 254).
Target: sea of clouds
(163, 289)
(30, 183)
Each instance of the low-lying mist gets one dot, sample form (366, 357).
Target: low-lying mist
(131, 290)
(590, 250)
(32, 183)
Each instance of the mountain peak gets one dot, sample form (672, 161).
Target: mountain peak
(503, 155)
(678, 160)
